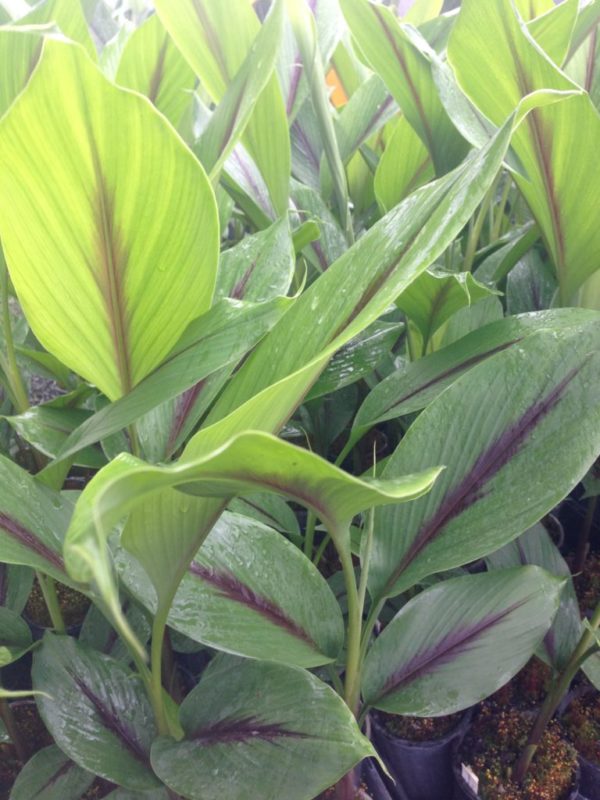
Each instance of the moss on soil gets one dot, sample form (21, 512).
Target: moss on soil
(73, 604)
(582, 723)
(419, 729)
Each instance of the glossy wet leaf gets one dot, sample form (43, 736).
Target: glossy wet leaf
(559, 178)
(97, 711)
(417, 384)
(95, 292)
(216, 49)
(250, 592)
(32, 533)
(536, 547)
(245, 714)
(404, 166)
(495, 433)
(15, 585)
(152, 65)
(51, 775)
(15, 636)
(400, 55)
(459, 641)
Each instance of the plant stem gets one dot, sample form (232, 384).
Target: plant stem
(309, 534)
(321, 549)
(48, 587)
(475, 231)
(555, 695)
(353, 665)
(156, 691)
(497, 226)
(13, 373)
(584, 535)
(13, 731)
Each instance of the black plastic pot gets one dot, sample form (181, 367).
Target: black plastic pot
(380, 787)
(464, 792)
(421, 770)
(589, 781)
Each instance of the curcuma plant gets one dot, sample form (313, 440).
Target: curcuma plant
(245, 246)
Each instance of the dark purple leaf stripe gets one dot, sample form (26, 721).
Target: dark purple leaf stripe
(449, 647)
(244, 729)
(490, 462)
(111, 720)
(29, 540)
(442, 376)
(230, 587)
(62, 770)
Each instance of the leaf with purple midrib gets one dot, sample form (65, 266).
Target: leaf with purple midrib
(488, 464)
(244, 729)
(29, 540)
(230, 587)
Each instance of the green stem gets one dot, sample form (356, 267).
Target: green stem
(368, 627)
(156, 648)
(555, 695)
(365, 563)
(335, 680)
(321, 549)
(13, 373)
(352, 676)
(309, 534)
(48, 587)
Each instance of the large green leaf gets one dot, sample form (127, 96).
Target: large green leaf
(401, 56)
(96, 710)
(258, 729)
(110, 232)
(249, 462)
(248, 591)
(152, 65)
(51, 775)
(497, 434)
(536, 547)
(419, 383)
(215, 49)
(33, 521)
(457, 642)
(559, 178)
(404, 166)
(553, 30)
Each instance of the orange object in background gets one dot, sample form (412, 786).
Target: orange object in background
(338, 97)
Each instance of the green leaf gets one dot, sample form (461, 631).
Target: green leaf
(97, 711)
(559, 179)
(131, 258)
(496, 434)
(152, 65)
(15, 636)
(402, 57)
(16, 582)
(536, 547)
(47, 428)
(459, 641)
(250, 592)
(218, 338)
(416, 385)
(531, 285)
(237, 105)
(553, 30)
(404, 166)
(32, 533)
(51, 775)
(216, 49)
(435, 296)
(245, 714)
(270, 509)
(249, 462)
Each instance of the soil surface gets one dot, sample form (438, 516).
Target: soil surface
(418, 729)
(73, 605)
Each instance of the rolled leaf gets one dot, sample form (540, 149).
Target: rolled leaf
(245, 714)
(489, 429)
(97, 711)
(248, 591)
(458, 642)
(133, 251)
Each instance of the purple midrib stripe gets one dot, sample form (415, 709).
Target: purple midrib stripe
(242, 730)
(489, 463)
(28, 539)
(111, 720)
(448, 648)
(230, 587)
